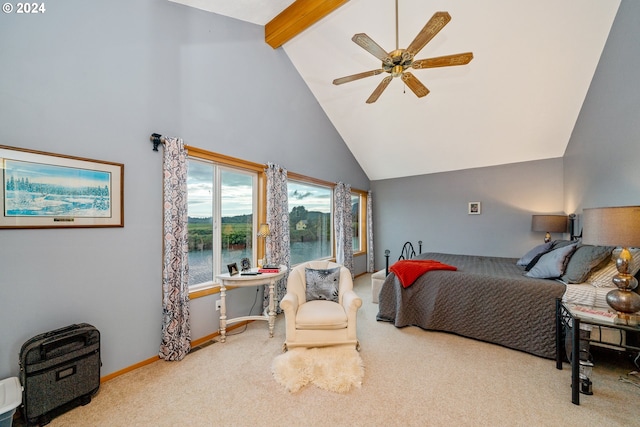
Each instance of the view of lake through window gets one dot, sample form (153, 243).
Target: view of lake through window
(222, 206)
(217, 192)
(309, 221)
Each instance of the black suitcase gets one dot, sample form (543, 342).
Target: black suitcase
(59, 370)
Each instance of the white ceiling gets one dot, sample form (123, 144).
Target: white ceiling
(517, 101)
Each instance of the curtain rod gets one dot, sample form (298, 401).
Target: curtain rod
(156, 139)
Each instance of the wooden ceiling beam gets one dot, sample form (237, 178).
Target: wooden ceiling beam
(296, 18)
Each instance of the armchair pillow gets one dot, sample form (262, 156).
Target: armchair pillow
(322, 284)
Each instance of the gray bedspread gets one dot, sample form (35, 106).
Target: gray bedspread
(488, 299)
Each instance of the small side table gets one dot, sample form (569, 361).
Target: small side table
(570, 321)
(239, 280)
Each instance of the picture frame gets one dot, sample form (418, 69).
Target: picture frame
(233, 269)
(245, 264)
(48, 190)
(475, 208)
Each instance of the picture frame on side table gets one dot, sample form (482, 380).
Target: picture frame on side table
(47, 190)
(233, 269)
(475, 208)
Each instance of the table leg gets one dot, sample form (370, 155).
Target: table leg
(559, 329)
(575, 361)
(223, 313)
(272, 307)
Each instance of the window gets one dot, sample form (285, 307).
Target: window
(359, 220)
(310, 221)
(237, 205)
(222, 210)
(355, 222)
(200, 184)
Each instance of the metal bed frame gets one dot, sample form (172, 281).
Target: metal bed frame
(407, 252)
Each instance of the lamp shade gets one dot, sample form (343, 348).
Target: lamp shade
(616, 226)
(264, 230)
(549, 223)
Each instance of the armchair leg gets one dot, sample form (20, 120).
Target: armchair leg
(358, 346)
(284, 348)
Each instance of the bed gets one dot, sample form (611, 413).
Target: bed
(492, 299)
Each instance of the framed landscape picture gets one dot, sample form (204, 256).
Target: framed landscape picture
(46, 190)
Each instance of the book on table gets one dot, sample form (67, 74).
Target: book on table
(595, 313)
(269, 270)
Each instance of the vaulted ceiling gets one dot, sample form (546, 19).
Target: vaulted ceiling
(517, 100)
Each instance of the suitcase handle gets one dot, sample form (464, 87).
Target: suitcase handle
(49, 345)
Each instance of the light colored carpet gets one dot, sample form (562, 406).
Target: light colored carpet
(412, 378)
(336, 369)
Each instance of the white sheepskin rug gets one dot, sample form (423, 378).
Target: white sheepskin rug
(335, 369)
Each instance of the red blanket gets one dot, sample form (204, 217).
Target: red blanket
(409, 270)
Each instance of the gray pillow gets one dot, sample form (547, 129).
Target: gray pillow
(556, 244)
(583, 261)
(528, 257)
(322, 284)
(552, 264)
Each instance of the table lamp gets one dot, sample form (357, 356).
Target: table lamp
(264, 231)
(616, 226)
(549, 224)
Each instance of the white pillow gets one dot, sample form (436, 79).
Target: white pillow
(602, 278)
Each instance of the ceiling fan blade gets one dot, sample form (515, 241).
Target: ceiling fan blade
(378, 91)
(415, 85)
(358, 76)
(367, 43)
(443, 61)
(435, 24)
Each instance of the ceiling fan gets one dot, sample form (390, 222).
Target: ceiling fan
(397, 62)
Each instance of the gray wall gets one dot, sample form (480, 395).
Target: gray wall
(434, 208)
(601, 160)
(95, 79)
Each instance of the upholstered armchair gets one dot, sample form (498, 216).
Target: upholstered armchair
(320, 322)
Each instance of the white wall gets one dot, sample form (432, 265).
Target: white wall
(94, 79)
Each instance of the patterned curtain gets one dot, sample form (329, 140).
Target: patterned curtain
(277, 244)
(342, 220)
(176, 332)
(370, 257)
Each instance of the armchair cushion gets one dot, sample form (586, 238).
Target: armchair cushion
(322, 284)
(321, 314)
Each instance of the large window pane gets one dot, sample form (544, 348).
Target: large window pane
(237, 206)
(200, 194)
(355, 221)
(221, 206)
(309, 221)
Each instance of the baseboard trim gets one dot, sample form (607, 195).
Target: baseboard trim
(151, 360)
